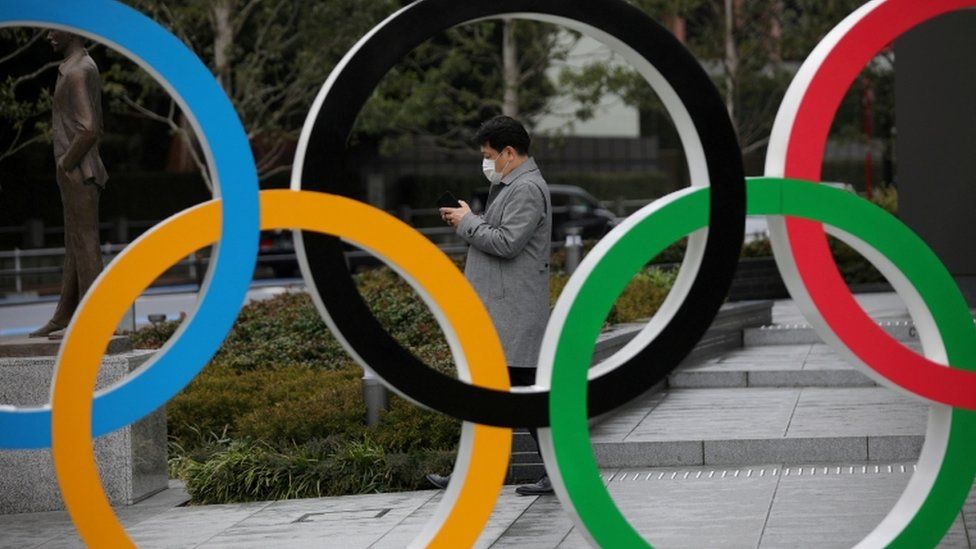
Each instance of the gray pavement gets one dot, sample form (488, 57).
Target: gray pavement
(767, 446)
(757, 506)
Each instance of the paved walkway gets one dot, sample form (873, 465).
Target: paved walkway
(756, 506)
(767, 446)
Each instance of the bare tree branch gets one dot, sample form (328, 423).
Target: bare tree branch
(28, 77)
(16, 147)
(27, 45)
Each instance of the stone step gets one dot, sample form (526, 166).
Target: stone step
(522, 441)
(771, 366)
(740, 426)
(33, 347)
(524, 473)
(724, 334)
(526, 457)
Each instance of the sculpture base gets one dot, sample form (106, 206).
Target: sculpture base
(21, 347)
(131, 461)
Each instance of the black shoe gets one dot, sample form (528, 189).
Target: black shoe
(440, 481)
(542, 487)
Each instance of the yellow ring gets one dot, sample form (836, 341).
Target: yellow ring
(483, 456)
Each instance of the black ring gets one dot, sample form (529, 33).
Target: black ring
(323, 165)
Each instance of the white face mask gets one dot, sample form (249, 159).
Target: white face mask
(488, 167)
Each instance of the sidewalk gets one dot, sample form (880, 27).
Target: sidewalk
(758, 506)
(765, 446)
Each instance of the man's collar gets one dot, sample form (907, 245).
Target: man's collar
(523, 168)
(71, 59)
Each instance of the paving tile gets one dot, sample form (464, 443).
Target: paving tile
(718, 414)
(956, 537)
(359, 520)
(837, 510)
(694, 513)
(969, 516)
(873, 411)
(191, 526)
(543, 524)
(32, 529)
(509, 508)
(616, 426)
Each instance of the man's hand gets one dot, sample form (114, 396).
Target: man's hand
(453, 216)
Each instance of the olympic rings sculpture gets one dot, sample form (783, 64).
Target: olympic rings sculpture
(712, 213)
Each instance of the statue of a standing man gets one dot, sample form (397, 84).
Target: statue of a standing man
(81, 176)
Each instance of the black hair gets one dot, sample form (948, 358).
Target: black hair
(504, 131)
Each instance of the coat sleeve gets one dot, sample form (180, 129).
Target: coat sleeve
(81, 115)
(520, 216)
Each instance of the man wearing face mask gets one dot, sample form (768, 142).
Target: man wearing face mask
(508, 256)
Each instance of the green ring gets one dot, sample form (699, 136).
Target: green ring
(575, 463)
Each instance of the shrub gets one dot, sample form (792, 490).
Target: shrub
(640, 299)
(757, 248)
(643, 296)
(886, 197)
(154, 336)
(277, 404)
(249, 470)
(285, 329)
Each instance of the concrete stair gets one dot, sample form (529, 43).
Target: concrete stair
(747, 425)
(724, 335)
(771, 366)
(788, 404)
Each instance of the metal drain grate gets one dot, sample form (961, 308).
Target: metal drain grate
(798, 471)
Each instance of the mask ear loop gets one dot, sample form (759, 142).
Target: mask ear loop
(507, 163)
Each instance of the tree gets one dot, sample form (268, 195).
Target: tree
(751, 49)
(446, 87)
(270, 56)
(23, 101)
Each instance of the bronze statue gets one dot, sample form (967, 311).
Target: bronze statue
(77, 128)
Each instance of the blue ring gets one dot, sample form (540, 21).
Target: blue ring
(174, 65)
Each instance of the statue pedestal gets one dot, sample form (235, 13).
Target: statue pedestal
(131, 461)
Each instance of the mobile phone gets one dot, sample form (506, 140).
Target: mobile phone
(448, 200)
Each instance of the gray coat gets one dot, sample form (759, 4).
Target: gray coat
(508, 260)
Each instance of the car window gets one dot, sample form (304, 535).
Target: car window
(580, 206)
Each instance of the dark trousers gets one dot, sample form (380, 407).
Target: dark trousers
(82, 255)
(521, 377)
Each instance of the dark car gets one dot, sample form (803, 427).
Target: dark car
(276, 249)
(572, 206)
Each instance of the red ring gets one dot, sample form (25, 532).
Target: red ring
(814, 262)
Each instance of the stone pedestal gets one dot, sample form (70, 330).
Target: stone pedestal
(131, 461)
